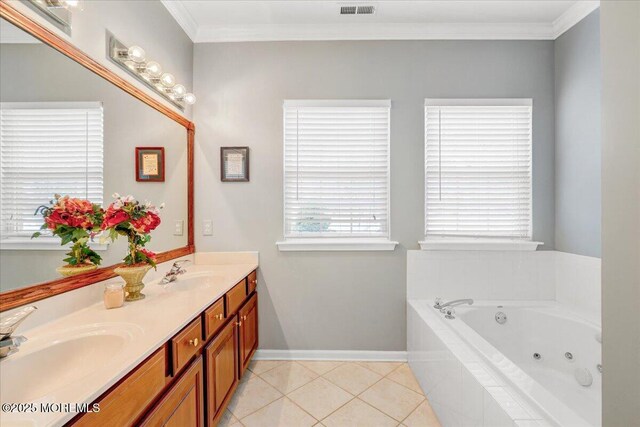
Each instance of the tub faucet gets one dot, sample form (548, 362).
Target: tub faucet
(440, 305)
(9, 344)
(176, 269)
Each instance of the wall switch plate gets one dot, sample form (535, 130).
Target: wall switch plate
(207, 228)
(179, 228)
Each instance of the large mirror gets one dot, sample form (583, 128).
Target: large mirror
(67, 130)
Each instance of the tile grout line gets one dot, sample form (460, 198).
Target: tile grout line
(356, 396)
(379, 409)
(391, 379)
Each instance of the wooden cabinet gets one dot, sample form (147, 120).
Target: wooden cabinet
(214, 318)
(190, 380)
(128, 400)
(252, 282)
(183, 404)
(235, 297)
(248, 322)
(186, 344)
(221, 370)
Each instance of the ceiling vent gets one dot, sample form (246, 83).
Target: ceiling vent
(366, 10)
(357, 10)
(348, 10)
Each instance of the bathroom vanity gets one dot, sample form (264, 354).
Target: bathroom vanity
(190, 379)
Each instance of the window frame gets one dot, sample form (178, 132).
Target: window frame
(336, 243)
(478, 242)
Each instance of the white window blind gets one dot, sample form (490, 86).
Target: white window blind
(478, 168)
(46, 149)
(336, 168)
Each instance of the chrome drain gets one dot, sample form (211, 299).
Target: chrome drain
(537, 356)
(568, 355)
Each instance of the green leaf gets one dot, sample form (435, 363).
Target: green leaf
(36, 234)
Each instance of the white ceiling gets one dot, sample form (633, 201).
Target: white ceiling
(244, 20)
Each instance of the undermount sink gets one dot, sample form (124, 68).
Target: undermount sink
(51, 362)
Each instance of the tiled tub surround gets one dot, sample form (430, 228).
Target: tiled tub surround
(475, 371)
(149, 324)
(572, 280)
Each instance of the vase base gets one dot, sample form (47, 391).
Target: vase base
(134, 297)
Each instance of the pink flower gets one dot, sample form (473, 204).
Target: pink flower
(146, 224)
(113, 217)
(149, 254)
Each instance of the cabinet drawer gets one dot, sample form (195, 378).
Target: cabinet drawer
(235, 297)
(214, 318)
(186, 344)
(124, 404)
(252, 282)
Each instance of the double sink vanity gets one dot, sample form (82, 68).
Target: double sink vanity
(174, 358)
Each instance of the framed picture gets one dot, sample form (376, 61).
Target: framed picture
(234, 164)
(150, 164)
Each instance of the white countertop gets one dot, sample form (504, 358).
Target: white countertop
(147, 324)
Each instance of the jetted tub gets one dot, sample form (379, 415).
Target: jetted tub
(507, 363)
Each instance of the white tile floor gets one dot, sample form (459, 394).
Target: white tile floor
(330, 394)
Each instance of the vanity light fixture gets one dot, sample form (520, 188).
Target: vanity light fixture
(57, 12)
(133, 59)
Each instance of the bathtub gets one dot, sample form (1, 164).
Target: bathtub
(541, 366)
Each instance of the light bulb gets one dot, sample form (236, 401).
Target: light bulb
(179, 90)
(136, 54)
(168, 80)
(76, 4)
(153, 69)
(190, 98)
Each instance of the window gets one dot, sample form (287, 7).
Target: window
(478, 168)
(336, 171)
(47, 148)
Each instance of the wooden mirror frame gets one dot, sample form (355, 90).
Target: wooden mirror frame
(17, 297)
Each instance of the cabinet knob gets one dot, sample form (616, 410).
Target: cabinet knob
(254, 281)
(239, 323)
(244, 318)
(194, 342)
(219, 316)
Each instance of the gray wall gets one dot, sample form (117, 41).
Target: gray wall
(578, 133)
(142, 22)
(346, 300)
(620, 36)
(26, 75)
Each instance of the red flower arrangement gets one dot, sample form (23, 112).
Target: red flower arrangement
(128, 217)
(74, 221)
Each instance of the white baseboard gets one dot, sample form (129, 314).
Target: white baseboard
(372, 356)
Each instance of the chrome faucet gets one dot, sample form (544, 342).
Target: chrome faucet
(440, 306)
(176, 270)
(9, 344)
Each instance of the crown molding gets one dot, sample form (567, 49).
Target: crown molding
(183, 17)
(572, 16)
(453, 31)
(378, 31)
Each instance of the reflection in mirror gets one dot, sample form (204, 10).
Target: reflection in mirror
(65, 130)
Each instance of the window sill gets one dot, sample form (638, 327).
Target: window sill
(478, 245)
(41, 244)
(332, 244)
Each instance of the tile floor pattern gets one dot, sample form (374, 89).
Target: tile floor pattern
(330, 394)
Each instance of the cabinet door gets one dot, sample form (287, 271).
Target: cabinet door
(248, 320)
(221, 368)
(182, 405)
